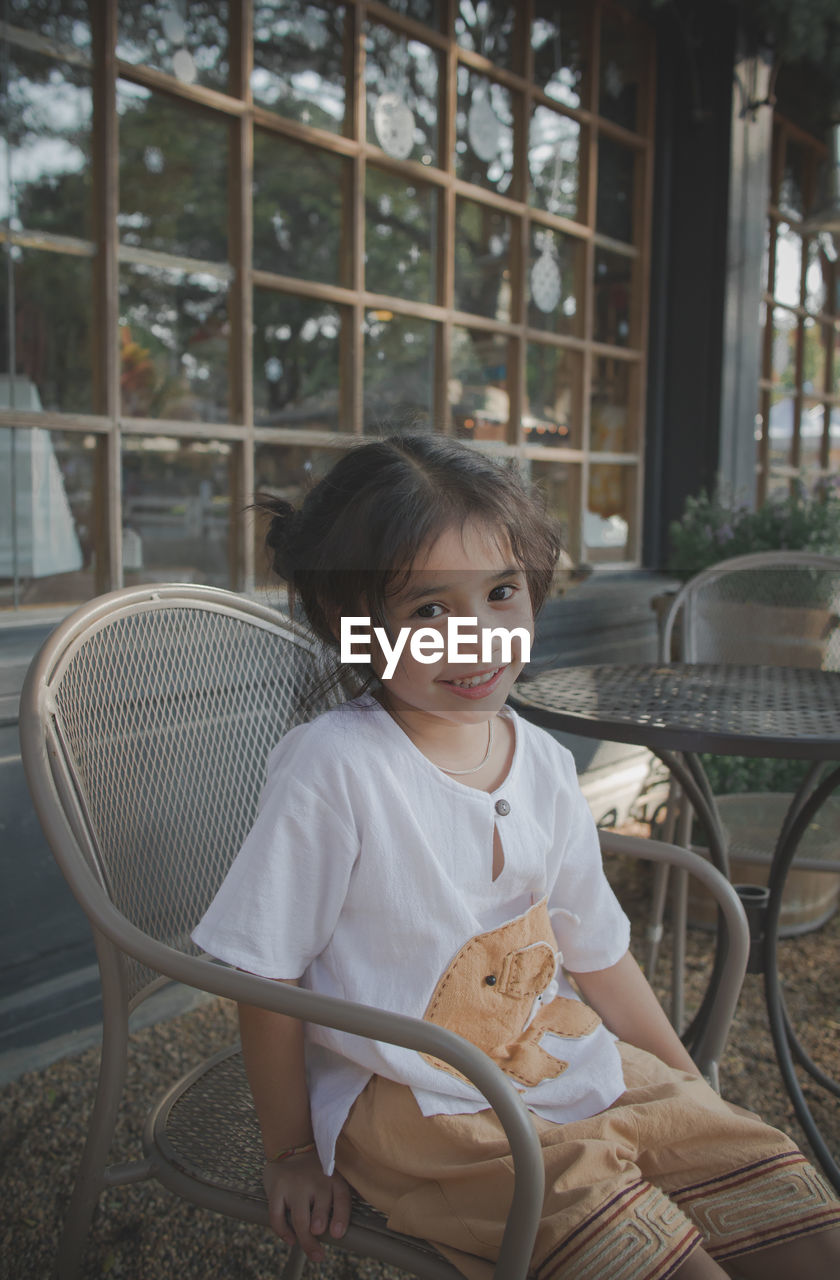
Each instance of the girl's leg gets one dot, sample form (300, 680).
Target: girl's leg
(699, 1266)
(816, 1256)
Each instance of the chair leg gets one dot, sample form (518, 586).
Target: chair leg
(90, 1179)
(680, 921)
(295, 1264)
(660, 884)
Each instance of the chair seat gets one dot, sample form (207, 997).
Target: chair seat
(204, 1132)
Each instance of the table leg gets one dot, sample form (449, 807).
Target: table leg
(785, 1041)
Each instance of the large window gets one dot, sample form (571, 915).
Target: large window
(241, 237)
(799, 414)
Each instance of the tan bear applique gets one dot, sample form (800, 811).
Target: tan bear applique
(487, 995)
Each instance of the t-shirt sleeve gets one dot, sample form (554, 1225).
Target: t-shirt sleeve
(277, 908)
(591, 928)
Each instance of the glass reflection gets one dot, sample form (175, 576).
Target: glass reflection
(186, 40)
(299, 61)
(553, 383)
(613, 298)
(608, 516)
(780, 427)
(788, 265)
(811, 430)
(478, 395)
(622, 68)
(616, 190)
(173, 345)
(817, 274)
(173, 175)
(559, 37)
(814, 357)
(560, 486)
(52, 307)
(47, 118)
(554, 146)
(487, 27)
(398, 372)
(482, 260)
(613, 424)
(401, 83)
(783, 348)
(67, 23)
(46, 555)
(298, 196)
(484, 131)
(555, 282)
(427, 11)
(400, 236)
(176, 510)
(296, 362)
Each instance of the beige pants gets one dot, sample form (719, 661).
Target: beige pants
(630, 1192)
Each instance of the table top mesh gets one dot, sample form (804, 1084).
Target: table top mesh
(781, 711)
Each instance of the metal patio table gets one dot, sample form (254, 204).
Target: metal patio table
(681, 709)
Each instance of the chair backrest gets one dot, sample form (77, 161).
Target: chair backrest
(775, 608)
(158, 709)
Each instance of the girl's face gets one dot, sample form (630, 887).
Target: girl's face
(466, 573)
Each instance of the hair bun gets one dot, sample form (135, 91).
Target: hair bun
(281, 533)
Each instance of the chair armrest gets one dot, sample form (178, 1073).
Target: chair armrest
(709, 1048)
(412, 1033)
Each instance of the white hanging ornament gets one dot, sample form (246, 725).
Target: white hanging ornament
(483, 129)
(393, 124)
(546, 280)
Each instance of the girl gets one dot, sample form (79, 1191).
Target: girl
(422, 849)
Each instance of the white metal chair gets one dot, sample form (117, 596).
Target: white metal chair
(146, 721)
(773, 608)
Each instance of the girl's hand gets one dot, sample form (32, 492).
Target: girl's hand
(303, 1202)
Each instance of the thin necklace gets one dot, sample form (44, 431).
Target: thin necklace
(461, 773)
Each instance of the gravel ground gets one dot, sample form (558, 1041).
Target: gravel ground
(142, 1231)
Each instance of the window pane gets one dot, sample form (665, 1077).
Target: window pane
(817, 274)
(614, 426)
(47, 128)
(478, 395)
(484, 131)
(296, 362)
(173, 345)
(613, 298)
(176, 510)
(559, 37)
(811, 434)
(427, 11)
(52, 304)
(299, 61)
(622, 67)
(401, 80)
(560, 485)
(792, 192)
(400, 236)
(399, 372)
(783, 349)
(288, 472)
(67, 23)
(554, 385)
(482, 260)
(298, 202)
(608, 517)
(173, 176)
(813, 357)
(47, 481)
(189, 41)
(835, 364)
(487, 27)
(780, 428)
(616, 190)
(554, 148)
(556, 282)
(788, 265)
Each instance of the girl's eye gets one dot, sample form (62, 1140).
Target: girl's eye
(503, 592)
(429, 611)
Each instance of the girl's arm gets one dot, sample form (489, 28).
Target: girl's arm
(628, 1008)
(302, 1200)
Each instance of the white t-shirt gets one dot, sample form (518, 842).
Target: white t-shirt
(367, 870)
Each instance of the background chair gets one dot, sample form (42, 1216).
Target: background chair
(146, 721)
(774, 608)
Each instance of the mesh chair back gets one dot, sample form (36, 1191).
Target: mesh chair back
(769, 609)
(164, 710)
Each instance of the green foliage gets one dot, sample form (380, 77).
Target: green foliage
(731, 775)
(712, 528)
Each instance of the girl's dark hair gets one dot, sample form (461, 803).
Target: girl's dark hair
(360, 528)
